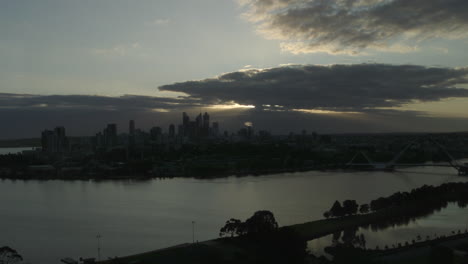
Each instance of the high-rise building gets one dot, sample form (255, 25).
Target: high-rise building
(131, 128)
(155, 133)
(206, 125)
(47, 140)
(171, 131)
(199, 121)
(215, 130)
(131, 134)
(60, 139)
(54, 141)
(195, 129)
(110, 135)
(185, 124)
(206, 120)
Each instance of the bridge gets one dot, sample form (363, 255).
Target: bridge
(462, 169)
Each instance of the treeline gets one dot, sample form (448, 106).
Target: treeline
(259, 240)
(427, 196)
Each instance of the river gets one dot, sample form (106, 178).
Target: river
(48, 220)
(16, 150)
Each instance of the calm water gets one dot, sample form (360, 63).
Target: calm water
(447, 220)
(4, 151)
(48, 220)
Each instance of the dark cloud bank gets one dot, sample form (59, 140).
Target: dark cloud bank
(276, 93)
(339, 87)
(348, 26)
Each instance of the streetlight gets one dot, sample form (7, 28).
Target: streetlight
(193, 231)
(99, 246)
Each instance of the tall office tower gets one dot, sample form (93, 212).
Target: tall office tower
(60, 139)
(185, 123)
(206, 125)
(156, 134)
(54, 141)
(47, 140)
(131, 134)
(198, 126)
(131, 128)
(215, 128)
(180, 130)
(110, 135)
(171, 131)
(199, 120)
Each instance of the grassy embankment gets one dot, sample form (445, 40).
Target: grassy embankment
(233, 250)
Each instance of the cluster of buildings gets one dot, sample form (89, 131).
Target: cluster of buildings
(199, 129)
(54, 141)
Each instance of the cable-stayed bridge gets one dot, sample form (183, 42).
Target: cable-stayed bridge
(462, 168)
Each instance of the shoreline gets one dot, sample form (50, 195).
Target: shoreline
(255, 173)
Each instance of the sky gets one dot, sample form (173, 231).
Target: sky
(330, 66)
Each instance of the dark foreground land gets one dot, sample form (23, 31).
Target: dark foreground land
(287, 244)
(236, 250)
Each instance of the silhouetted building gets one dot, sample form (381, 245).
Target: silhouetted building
(194, 130)
(131, 128)
(206, 125)
(47, 140)
(185, 124)
(131, 133)
(171, 131)
(199, 121)
(156, 134)
(54, 141)
(110, 135)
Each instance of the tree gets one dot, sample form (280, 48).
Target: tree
(233, 227)
(261, 222)
(350, 207)
(9, 256)
(337, 210)
(364, 209)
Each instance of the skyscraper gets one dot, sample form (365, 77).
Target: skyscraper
(131, 128)
(110, 135)
(54, 141)
(131, 134)
(171, 131)
(185, 124)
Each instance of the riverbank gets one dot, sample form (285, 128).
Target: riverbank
(48, 172)
(237, 250)
(422, 205)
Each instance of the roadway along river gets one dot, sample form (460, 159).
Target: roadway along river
(48, 220)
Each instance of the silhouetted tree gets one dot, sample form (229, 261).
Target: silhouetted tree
(337, 210)
(364, 209)
(350, 207)
(9, 256)
(261, 222)
(233, 227)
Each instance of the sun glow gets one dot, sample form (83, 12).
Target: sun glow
(231, 106)
(324, 112)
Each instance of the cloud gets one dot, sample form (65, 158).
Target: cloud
(93, 102)
(27, 115)
(352, 26)
(118, 50)
(159, 22)
(350, 88)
